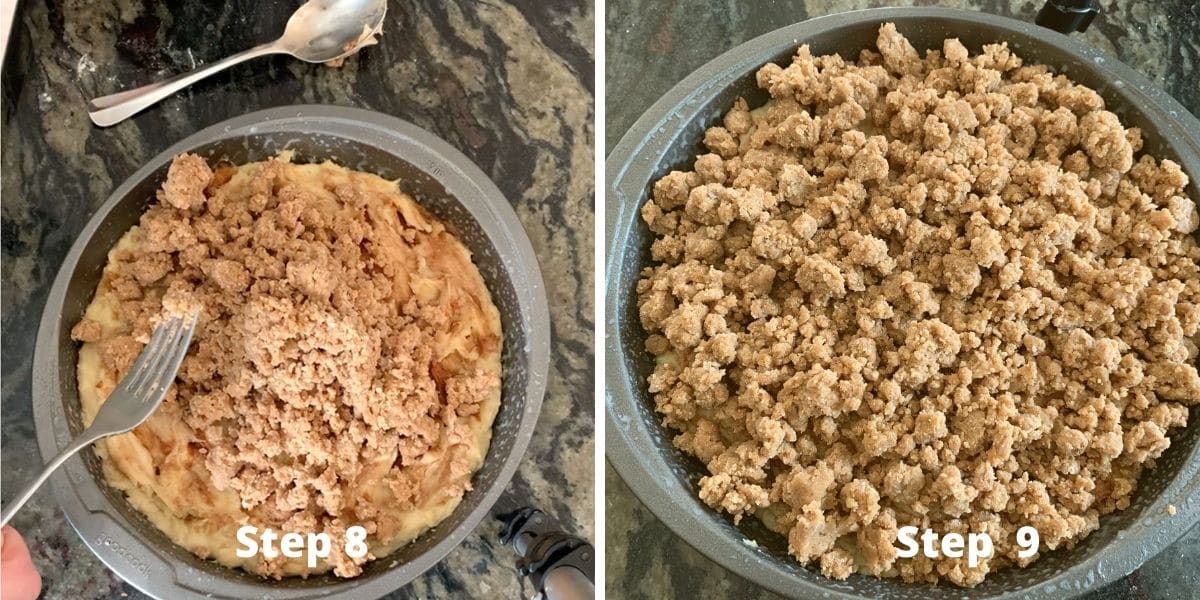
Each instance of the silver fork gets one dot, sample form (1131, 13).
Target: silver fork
(134, 399)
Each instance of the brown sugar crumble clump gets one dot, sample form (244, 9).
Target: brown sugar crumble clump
(944, 292)
(345, 368)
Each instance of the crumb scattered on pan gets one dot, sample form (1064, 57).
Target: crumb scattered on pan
(1171, 509)
(345, 369)
(942, 291)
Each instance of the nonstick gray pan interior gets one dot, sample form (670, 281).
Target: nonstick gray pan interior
(667, 137)
(443, 181)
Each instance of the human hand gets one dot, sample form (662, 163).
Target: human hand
(19, 580)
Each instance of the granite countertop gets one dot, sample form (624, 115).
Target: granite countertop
(510, 84)
(662, 42)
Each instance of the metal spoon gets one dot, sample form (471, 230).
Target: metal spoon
(319, 31)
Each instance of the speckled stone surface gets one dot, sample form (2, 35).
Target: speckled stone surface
(651, 45)
(507, 83)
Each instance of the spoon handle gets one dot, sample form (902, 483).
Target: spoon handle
(87, 437)
(114, 108)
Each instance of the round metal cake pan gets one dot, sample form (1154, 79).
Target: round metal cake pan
(443, 181)
(668, 137)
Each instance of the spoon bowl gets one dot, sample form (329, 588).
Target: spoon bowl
(325, 30)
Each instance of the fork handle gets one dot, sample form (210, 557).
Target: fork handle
(84, 439)
(114, 108)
